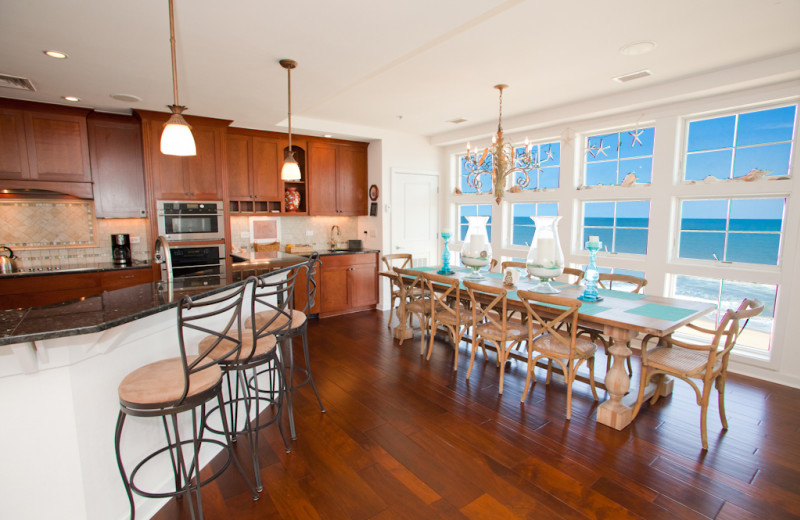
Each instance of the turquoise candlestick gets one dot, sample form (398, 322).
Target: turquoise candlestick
(446, 255)
(592, 274)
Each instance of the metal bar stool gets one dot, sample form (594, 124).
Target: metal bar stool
(289, 324)
(169, 387)
(243, 402)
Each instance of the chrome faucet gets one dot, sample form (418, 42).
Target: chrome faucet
(335, 236)
(162, 256)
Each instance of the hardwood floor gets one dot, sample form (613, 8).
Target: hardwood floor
(408, 438)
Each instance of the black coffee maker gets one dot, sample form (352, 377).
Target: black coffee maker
(121, 249)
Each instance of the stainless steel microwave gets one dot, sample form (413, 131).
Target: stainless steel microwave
(189, 220)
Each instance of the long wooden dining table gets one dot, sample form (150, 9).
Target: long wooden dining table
(621, 316)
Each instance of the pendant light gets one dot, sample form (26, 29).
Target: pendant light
(290, 170)
(176, 138)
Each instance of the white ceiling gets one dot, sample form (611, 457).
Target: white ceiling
(402, 65)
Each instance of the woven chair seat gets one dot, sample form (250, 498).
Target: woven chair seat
(220, 353)
(447, 318)
(690, 363)
(422, 306)
(514, 331)
(298, 319)
(162, 382)
(547, 344)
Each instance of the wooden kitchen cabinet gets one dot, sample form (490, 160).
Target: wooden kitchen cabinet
(348, 283)
(198, 177)
(337, 174)
(42, 142)
(253, 172)
(115, 152)
(49, 289)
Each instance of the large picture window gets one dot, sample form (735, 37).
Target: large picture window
(733, 146)
(611, 158)
(732, 230)
(546, 161)
(726, 295)
(621, 225)
(472, 210)
(522, 227)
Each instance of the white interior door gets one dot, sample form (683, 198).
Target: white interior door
(415, 215)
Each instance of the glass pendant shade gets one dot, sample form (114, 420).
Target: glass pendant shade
(176, 138)
(290, 170)
(545, 257)
(476, 252)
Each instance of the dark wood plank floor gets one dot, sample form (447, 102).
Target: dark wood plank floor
(409, 438)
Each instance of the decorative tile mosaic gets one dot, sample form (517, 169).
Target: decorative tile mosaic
(31, 223)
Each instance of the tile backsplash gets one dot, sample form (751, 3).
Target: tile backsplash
(293, 230)
(53, 233)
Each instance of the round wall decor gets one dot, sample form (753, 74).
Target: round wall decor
(373, 192)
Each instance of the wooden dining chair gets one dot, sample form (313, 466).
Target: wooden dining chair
(446, 310)
(625, 283)
(556, 340)
(510, 263)
(704, 362)
(492, 265)
(414, 302)
(491, 323)
(402, 260)
(577, 273)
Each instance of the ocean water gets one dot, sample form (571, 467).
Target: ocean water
(748, 240)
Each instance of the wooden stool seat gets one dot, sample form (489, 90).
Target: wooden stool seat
(162, 382)
(221, 352)
(278, 323)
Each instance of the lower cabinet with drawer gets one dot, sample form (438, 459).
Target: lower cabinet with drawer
(48, 289)
(348, 283)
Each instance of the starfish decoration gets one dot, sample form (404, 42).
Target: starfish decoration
(635, 134)
(548, 155)
(592, 148)
(602, 149)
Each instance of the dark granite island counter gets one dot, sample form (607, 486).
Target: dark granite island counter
(60, 366)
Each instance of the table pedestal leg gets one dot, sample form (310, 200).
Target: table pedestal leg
(614, 412)
(403, 330)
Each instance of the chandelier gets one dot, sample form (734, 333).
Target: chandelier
(500, 160)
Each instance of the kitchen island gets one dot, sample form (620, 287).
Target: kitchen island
(60, 366)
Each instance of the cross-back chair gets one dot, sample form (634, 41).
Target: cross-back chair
(491, 323)
(700, 363)
(403, 261)
(556, 340)
(415, 302)
(446, 310)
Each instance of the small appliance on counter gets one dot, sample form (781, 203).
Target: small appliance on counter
(354, 245)
(121, 249)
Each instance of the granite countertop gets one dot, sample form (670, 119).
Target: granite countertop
(278, 259)
(77, 268)
(103, 311)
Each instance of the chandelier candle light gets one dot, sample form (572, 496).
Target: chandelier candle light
(476, 252)
(499, 161)
(545, 257)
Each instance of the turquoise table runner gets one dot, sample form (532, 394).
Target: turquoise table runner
(661, 312)
(589, 309)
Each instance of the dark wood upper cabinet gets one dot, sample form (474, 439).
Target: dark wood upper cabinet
(337, 178)
(41, 142)
(115, 152)
(13, 146)
(253, 167)
(199, 177)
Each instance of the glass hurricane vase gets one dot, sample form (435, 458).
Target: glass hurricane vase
(545, 258)
(476, 252)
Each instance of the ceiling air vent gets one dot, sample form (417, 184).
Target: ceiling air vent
(457, 121)
(17, 83)
(632, 76)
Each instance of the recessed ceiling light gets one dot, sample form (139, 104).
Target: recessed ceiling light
(327, 135)
(637, 48)
(128, 98)
(57, 54)
(72, 98)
